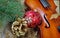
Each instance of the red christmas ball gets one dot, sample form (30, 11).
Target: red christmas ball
(33, 18)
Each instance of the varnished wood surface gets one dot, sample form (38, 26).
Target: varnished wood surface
(52, 31)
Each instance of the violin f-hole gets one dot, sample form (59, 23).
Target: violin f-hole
(47, 22)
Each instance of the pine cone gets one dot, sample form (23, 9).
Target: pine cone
(19, 27)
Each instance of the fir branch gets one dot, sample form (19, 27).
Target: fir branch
(10, 9)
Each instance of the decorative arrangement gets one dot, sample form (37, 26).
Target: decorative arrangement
(29, 19)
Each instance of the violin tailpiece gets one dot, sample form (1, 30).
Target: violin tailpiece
(45, 3)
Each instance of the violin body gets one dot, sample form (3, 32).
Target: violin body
(51, 31)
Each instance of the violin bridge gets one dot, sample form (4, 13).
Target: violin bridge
(43, 17)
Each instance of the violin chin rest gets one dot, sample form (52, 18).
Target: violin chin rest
(58, 29)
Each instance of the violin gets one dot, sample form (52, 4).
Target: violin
(49, 27)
